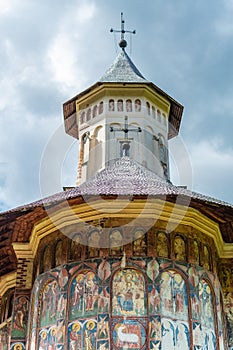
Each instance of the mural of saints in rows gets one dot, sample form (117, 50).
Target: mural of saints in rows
(130, 310)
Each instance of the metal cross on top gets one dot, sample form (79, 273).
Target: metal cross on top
(123, 42)
(126, 129)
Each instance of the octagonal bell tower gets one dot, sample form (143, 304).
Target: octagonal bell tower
(123, 114)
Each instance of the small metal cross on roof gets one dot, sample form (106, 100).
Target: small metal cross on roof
(126, 129)
(123, 42)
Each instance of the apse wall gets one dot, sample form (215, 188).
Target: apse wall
(141, 303)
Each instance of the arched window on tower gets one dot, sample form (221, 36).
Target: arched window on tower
(159, 115)
(148, 108)
(101, 107)
(120, 105)
(128, 105)
(111, 106)
(153, 112)
(88, 114)
(137, 105)
(95, 111)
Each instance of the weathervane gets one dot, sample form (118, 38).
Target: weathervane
(123, 42)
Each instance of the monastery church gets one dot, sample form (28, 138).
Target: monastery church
(124, 259)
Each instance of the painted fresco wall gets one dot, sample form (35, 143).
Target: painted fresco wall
(4, 336)
(149, 304)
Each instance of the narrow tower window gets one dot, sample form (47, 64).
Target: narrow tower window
(95, 110)
(120, 105)
(111, 106)
(128, 106)
(101, 107)
(137, 105)
(88, 114)
(148, 108)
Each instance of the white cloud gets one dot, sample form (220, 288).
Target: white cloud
(224, 23)
(213, 169)
(64, 51)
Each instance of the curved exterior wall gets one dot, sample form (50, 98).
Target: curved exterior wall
(151, 303)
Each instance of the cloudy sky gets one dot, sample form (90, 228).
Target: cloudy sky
(51, 50)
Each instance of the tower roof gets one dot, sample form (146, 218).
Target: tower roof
(123, 70)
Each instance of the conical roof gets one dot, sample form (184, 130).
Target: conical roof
(123, 70)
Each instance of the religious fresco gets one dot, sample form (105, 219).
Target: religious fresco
(84, 293)
(207, 312)
(154, 298)
(104, 299)
(116, 243)
(175, 335)
(82, 335)
(139, 243)
(20, 317)
(4, 337)
(49, 303)
(179, 248)
(128, 334)
(143, 306)
(128, 290)
(17, 346)
(228, 301)
(173, 295)
(162, 244)
(155, 330)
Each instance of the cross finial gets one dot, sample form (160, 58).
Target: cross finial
(123, 42)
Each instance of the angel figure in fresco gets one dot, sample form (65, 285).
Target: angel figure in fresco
(103, 329)
(155, 329)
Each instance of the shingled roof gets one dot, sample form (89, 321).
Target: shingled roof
(125, 177)
(123, 70)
